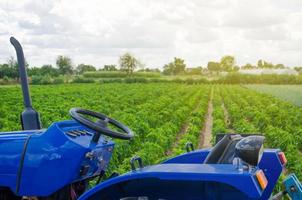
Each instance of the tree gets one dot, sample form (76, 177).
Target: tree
(298, 69)
(149, 70)
(194, 71)
(109, 68)
(34, 71)
(236, 68)
(9, 69)
(180, 65)
(260, 64)
(64, 64)
(169, 69)
(279, 66)
(213, 66)
(81, 68)
(176, 67)
(267, 65)
(49, 70)
(227, 63)
(248, 66)
(128, 63)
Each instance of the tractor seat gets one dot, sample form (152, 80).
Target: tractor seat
(224, 151)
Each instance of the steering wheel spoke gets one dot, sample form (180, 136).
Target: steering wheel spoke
(101, 125)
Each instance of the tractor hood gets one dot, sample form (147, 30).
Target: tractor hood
(12, 149)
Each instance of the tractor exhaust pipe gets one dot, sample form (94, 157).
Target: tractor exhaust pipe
(30, 118)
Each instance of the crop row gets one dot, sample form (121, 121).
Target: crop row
(158, 112)
(155, 112)
(280, 122)
(163, 138)
(219, 118)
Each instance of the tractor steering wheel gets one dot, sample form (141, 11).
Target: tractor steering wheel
(101, 126)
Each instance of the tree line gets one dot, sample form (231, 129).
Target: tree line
(129, 63)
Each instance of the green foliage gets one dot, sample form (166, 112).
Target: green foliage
(176, 67)
(79, 79)
(10, 69)
(290, 93)
(155, 112)
(109, 68)
(262, 64)
(59, 80)
(46, 80)
(279, 121)
(227, 63)
(64, 64)
(48, 70)
(129, 63)
(81, 68)
(248, 66)
(135, 80)
(6, 79)
(194, 71)
(237, 78)
(36, 80)
(213, 66)
(41, 80)
(120, 74)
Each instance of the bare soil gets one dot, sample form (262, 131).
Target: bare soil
(206, 132)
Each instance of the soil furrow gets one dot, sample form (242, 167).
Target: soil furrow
(206, 133)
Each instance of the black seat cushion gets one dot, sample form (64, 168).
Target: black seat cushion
(224, 151)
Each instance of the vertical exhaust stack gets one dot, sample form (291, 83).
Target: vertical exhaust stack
(30, 118)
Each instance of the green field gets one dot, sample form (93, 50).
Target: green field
(165, 116)
(291, 93)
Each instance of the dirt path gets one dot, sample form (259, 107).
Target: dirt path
(206, 132)
(227, 120)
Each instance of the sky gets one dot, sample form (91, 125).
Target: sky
(97, 32)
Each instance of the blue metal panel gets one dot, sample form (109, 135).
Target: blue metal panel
(192, 157)
(11, 149)
(293, 187)
(38, 163)
(270, 164)
(203, 175)
(189, 179)
(53, 159)
(272, 168)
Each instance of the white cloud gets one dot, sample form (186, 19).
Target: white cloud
(97, 32)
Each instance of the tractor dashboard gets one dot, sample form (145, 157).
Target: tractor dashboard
(49, 159)
(79, 134)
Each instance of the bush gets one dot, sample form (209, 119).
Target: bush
(46, 80)
(36, 80)
(58, 80)
(78, 79)
(113, 80)
(120, 74)
(189, 81)
(6, 79)
(135, 80)
(237, 78)
(41, 80)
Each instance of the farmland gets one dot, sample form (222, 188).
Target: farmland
(291, 93)
(165, 116)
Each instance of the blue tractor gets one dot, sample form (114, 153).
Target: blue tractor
(57, 163)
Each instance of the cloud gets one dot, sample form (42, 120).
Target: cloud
(98, 32)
